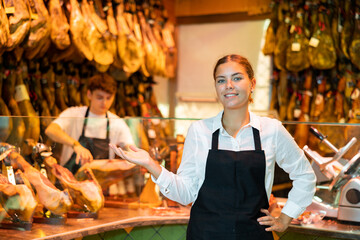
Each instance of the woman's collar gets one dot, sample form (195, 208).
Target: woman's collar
(217, 124)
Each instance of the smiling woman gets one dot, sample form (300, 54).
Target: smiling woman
(227, 166)
(234, 83)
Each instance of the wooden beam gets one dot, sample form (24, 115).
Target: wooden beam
(230, 17)
(186, 8)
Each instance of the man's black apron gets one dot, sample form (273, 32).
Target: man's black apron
(99, 148)
(233, 192)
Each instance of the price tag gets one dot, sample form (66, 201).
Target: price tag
(43, 171)
(34, 16)
(10, 175)
(307, 118)
(319, 99)
(339, 25)
(155, 121)
(295, 47)
(292, 28)
(21, 93)
(297, 112)
(309, 93)
(151, 133)
(9, 10)
(355, 94)
(314, 42)
(340, 28)
(287, 20)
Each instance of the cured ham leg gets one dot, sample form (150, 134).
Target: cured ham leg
(79, 30)
(59, 25)
(98, 44)
(129, 48)
(87, 194)
(4, 28)
(107, 171)
(39, 30)
(18, 200)
(56, 201)
(19, 23)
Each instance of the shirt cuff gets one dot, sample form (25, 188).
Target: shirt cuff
(164, 178)
(292, 209)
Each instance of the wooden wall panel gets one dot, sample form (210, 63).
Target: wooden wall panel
(187, 8)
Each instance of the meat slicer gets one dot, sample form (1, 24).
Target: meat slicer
(338, 179)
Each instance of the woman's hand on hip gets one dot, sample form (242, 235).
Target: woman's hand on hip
(279, 224)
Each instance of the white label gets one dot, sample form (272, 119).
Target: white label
(155, 121)
(319, 99)
(314, 42)
(355, 94)
(34, 16)
(43, 172)
(307, 92)
(307, 118)
(151, 133)
(21, 93)
(295, 47)
(9, 10)
(292, 28)
(297, 112)
(10, 175)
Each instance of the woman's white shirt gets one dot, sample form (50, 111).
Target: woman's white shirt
(278, 145)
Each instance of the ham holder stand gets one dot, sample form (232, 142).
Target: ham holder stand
(40, 152)
(13, 221)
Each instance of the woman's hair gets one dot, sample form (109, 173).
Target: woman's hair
(237, 59)
(102, 81)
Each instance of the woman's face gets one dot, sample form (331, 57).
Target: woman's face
(233, 86)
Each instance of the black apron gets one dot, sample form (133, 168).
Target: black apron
(233, 192)
(99, 148)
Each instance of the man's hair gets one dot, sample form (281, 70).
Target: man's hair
(102, 81)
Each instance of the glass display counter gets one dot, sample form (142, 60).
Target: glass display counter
(125, 212)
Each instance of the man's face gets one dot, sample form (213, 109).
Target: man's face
(100, 101)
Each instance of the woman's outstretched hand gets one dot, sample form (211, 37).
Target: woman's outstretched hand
(279, 224)
(139, 157)
(136, 155)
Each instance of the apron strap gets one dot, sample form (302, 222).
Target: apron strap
(85, 123)
(107, 126)
(257, 141)
(215, 140)
(256, 134)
